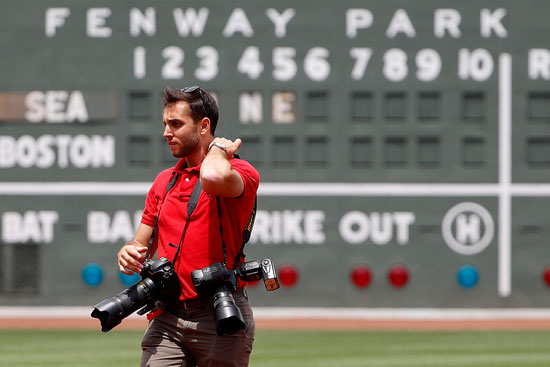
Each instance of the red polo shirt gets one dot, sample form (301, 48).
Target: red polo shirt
(202, 245)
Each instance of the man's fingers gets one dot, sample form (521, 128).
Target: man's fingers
(131, 258)
(137, 253)
(238, 143)
(230, 144)
(124, 271)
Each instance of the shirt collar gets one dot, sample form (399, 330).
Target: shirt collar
(181, 166)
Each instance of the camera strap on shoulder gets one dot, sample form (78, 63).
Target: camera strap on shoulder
(155, 227)
(191, 205)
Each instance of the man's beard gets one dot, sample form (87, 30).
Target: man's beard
(187, 147)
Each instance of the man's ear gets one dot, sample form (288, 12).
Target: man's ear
(204, 126)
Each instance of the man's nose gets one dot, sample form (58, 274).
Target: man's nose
(167, 132)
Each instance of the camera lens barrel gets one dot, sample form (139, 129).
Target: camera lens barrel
(112, 311)
(229, 318)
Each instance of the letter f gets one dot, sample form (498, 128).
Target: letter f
(55, 18)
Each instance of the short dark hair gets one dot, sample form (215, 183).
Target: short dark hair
(201, 103)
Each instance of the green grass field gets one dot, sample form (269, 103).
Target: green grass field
(295, 348)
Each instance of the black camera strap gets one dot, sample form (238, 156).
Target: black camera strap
(191, 205)
(155, 227)
(246, 233)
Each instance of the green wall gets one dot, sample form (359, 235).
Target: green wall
(385, 132)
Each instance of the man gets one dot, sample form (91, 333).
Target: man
(185, 333)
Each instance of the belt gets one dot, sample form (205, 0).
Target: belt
(194, 303)
(191, 304)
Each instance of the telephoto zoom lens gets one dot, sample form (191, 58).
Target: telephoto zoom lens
(113, 310)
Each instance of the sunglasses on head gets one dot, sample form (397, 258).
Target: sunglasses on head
(191, 89)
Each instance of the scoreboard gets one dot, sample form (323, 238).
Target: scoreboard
(403, 147)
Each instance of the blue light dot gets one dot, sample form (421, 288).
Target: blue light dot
(467, 276)
(92, 274)
(129, 280)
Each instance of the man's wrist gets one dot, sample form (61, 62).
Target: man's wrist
(217, 145)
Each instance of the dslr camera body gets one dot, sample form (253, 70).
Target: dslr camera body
(218, 283)
(159, 283)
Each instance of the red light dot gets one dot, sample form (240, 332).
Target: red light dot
(288, 275)
(361, 276)
(398, 275)
(546, 276)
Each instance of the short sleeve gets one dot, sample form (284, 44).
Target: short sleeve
(154, 198)
(249, 174)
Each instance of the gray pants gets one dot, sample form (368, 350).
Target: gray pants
(188, 338)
